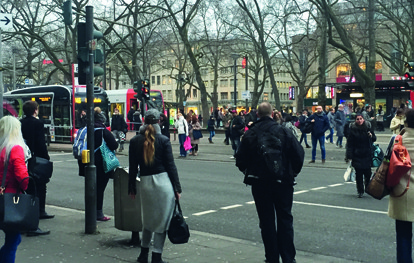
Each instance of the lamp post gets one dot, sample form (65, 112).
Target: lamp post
(235, 57)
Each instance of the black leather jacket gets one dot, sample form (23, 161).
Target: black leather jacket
(163, 161)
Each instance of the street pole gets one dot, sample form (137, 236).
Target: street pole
(247, 84)
(235, 57)
(90, 169)
(14, 68)
(104, 67)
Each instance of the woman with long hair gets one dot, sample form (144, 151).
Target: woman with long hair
(195, 126)
(13, 150)
(159, 184)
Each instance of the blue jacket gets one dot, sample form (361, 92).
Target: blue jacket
(321, 124)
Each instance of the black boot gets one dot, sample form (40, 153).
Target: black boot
(143, 256)
(135, 241)
(156, 258)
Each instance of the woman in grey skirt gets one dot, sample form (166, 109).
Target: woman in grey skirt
(159, 185)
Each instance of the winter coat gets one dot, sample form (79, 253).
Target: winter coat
(17, 178)
(210, 125)
(402, 208)
(238, 125)
(321, 124)
(118, 123)
(340, 122)
(194, 126)
(302, 121)
(181, 126)
(358, 147)
(34, 134)
(251, 162)
(396, 123)
(331, 118)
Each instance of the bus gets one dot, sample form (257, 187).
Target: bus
(124, 99)
(58, 108)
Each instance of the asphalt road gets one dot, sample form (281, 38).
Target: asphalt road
(328, 217)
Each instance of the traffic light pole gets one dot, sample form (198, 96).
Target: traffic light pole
(90, 169)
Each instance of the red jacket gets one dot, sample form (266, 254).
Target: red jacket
(17, 176)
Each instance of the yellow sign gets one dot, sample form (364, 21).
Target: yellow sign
(44, 99)
(78, 100)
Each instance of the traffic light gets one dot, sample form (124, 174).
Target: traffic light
(409, 76)
(137, 89)
(84, 44)
(145, 91)
(244, 62)
(67, 12)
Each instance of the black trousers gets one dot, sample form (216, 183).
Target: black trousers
(362, 175)
(274, 206)
(39, 192)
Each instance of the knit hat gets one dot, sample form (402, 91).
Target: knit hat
(152, 116)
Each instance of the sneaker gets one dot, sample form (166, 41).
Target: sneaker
(323, 160)
(308, 146)
(340, 146)
(232, 157)
(312, 161)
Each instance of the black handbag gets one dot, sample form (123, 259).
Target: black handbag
(197, 134)
(178, 232)
(40, 168)
(18, 211)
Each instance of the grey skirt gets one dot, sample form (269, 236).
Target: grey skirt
(157, 202)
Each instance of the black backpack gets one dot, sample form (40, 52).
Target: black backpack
(269, 147)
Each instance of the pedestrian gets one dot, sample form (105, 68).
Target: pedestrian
(273, 196)
(211, 129)
(220, 116)
(200, 119)
(216, 116)
(33, 134)
(137, 118)
(226, 124)
(288, 124)
(302, 122)
(400, 207)
(380, 119)
(397, 123)
(195, 126)
(321, 125)
(165, 125)
(119, 128)
(340, 121)
(358, 151)
(13, 147)
(236, 130)
(159, 184)
(331, 118)
(102, 178)
(82, 119)
(250, 118)
(130, 117)
(182, 129)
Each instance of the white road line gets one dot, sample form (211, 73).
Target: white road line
(64, 161)
(341, 207)
(300, 192)
(56, 154)
(230, 207)
(250, 203)
(333, 185)
(318, 188)
(204, 212)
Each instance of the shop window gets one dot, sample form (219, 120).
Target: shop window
(224, 95)
(343, 70)
(194, 93)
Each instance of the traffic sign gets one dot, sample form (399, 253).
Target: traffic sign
(6, 21)
(246, 95)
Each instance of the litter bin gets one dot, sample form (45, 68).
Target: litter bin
(127, 210)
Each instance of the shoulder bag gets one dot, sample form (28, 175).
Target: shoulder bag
(197, 134)
(40, 168)
(110, 162)
(18, 211)
(178, 232)
(400, 162)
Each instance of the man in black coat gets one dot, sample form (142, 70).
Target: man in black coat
(236, 125)
(272, 194)
(33, 134)
(130, 117)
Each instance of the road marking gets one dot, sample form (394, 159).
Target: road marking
(333, 185)
(318, 188)
(56, 154)
(250, 203)
(204, 212)
(300, 192)
(230, 207)
(341, 207)
(64, 161)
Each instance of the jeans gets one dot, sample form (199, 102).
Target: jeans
(321, 140)
(339, 141)
(181, 139)
(404, 233)
(304, 137)
(212, 133)
(235, 143)
(274, 202)
(8, 250)
(362, 175)
(331, 134)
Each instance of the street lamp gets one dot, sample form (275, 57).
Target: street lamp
(235, 57)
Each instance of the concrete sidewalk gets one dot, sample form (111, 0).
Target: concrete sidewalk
(68, 243)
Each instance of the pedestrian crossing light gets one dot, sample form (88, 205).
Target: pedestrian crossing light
(409, 76)
(137, 89)
(145, 91)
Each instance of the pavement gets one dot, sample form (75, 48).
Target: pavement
(69, 243)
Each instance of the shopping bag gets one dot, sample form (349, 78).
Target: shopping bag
(187, 144)
(347, 174)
